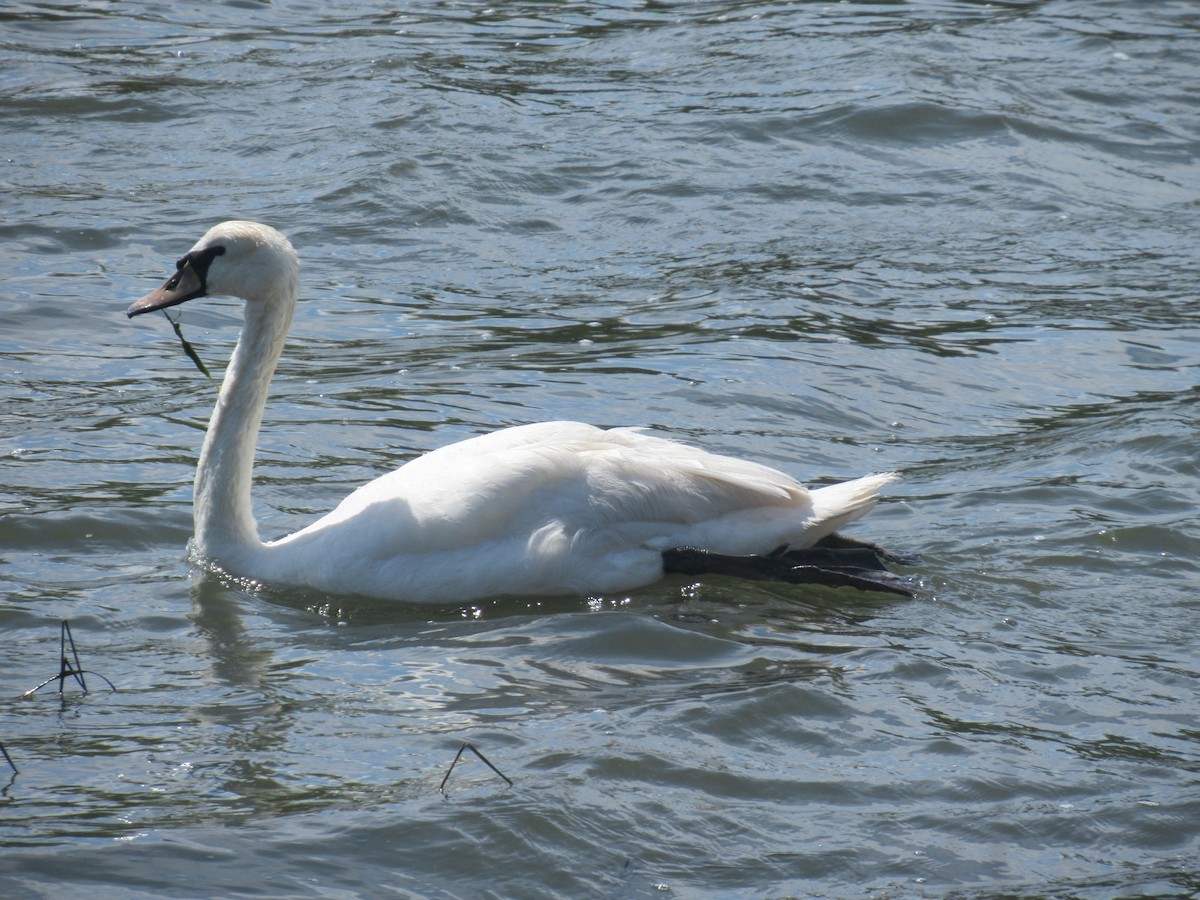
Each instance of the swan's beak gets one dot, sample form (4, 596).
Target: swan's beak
(184, 285)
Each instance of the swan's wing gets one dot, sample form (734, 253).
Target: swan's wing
(650, 479)
(557, 508)
(582, 479)
(536, 434)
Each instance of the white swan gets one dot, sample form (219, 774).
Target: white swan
(554, 508)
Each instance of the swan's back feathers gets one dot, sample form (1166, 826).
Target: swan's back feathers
(586, 478)
(594, 486)
(557, 507)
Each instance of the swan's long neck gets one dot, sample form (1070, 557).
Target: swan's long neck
(224, 519)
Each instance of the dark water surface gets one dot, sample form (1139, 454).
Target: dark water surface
(957, 240)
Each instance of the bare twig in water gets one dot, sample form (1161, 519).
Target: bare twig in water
(67, 669)
(12, 765)
(467, 745)
(65, 637)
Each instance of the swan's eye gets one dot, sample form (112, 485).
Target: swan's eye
(198, 261)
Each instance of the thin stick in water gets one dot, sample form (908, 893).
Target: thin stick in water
(12, 765)
(467, 745)
(65, 669)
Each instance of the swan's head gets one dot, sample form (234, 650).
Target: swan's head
(237, 259)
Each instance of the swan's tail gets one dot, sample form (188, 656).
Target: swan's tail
(840, 504)
(817, 555)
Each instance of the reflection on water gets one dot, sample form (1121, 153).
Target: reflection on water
(952, 240)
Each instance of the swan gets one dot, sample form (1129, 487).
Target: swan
(556, 508)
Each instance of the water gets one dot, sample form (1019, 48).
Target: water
(956, 240)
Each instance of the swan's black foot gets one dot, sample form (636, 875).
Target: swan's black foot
(838, 542)
(834, 561)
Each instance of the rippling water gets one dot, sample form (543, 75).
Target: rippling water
(957, 240)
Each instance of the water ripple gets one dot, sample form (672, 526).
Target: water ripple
(949, 239)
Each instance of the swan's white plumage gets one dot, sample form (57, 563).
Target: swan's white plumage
(551, 508)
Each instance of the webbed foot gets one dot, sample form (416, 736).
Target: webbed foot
(834, 561)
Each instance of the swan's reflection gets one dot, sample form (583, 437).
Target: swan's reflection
(236, 659)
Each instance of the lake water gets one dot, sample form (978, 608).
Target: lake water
(957, 240)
